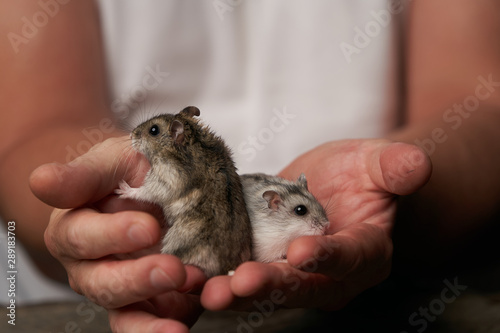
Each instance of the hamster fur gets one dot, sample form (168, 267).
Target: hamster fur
(280, 211)
(194, 180)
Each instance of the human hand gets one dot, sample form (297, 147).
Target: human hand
(357, 181)
(102, 241)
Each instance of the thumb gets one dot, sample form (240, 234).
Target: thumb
(399, 168)
(89, 177)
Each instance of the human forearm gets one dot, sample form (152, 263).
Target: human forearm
(55, 77)
(52, 87)
(59, 144)
(453, 110)
(463, 193)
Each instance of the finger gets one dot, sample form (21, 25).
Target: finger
(399, 168)
(114, 283)
(257, 285)
(254, 277)
(195, 280)
(114, 204)
(87, 234)
(217, 294)
(359, 252)
(251, 281)
(138, 318)
(89, 177)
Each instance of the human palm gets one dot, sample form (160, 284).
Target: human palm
(109, 246)
(357, 181)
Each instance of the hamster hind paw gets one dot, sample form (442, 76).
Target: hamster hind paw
(282, 260)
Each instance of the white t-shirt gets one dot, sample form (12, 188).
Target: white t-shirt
(273, 78)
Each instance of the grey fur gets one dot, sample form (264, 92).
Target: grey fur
(274, 223)
(194, 180)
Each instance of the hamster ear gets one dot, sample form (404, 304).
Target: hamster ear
(177, 131)
(302, 180)
(273, 199)
(191, 111)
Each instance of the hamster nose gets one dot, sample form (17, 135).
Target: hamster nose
(136, 134)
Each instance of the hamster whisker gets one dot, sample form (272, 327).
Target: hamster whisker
(331, 206)
(329, 200)
(155, 109)
(123, 124)
(198, 226)
(148, 111)
(130, 152)
(125, 156)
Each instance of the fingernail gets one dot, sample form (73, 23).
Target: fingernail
(160, 279)
(139, 235)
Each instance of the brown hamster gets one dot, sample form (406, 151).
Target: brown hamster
(280, 211)
(194, 180)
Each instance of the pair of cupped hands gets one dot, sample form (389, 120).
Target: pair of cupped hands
(109, 246)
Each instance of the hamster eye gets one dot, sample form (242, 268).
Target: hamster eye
(300, 210)
(154, 130)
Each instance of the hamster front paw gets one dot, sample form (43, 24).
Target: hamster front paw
(127, 192)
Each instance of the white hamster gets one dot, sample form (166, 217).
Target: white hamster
(280, 211)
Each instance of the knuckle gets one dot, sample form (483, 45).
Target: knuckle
(50, 235)
(73, 283)
(49, 242)
(112, 291)
(124, 284)
(134, 292)
(75, 243)
(98, 292)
